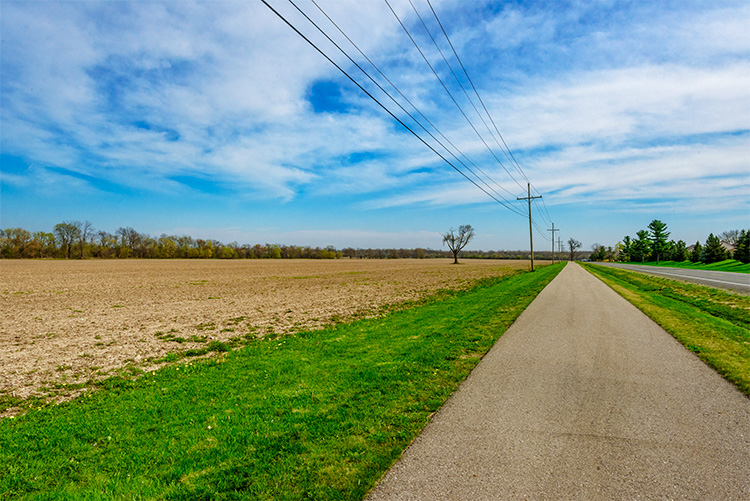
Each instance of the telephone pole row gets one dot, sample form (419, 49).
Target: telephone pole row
(553, 230)
(531, 234)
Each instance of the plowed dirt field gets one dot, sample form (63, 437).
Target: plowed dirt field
(64, 324)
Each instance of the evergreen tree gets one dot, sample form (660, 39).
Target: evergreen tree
(713, 252)
(659, 235)
(742, 251)
(669, 251)
(679, 251)
(695, 256)
(641, 246)
(599, 253)
(627, 249)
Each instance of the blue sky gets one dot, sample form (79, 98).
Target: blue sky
(214, 119)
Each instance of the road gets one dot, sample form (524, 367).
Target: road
(721, 279)
(584, 397)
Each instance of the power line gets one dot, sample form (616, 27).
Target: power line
(396, 102)
(458, 81)
(540, 231)
(416, 121)
(434, 72)
(378, 102)
(405, 98)
(509, 152)
(507, 149)
(542, 208)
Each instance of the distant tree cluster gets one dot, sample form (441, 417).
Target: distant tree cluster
(77, 240)
(73, 239)
(651, 245)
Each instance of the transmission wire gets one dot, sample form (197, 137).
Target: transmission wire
(441, 81)
(398, 104)
(412, 105)
(458, 81)
(509, 152)
(376, 101)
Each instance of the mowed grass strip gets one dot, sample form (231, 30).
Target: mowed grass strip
(710, 322)
(317, 415)
(727, 265)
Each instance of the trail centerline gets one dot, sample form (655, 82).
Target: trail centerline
(584, 397)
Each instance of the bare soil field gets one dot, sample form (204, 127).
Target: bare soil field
(64, 324)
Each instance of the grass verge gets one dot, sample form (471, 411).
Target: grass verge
(710, 322)
(317, 415)
(727, 265)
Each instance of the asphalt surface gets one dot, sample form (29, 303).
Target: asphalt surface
(720, 279)
(583, 397)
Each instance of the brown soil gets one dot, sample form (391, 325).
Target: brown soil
(63, 323)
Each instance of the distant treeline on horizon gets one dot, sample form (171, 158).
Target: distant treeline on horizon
(75, 240)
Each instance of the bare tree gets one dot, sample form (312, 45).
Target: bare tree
(67, 233)
(573, 244)
(130, 241)
(86, 229)
(730, 237)
(457, 241)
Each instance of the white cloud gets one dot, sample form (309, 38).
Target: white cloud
(228, 80)
(630, 103)
(682, 174)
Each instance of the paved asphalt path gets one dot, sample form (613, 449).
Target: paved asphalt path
(583, 397)
(721, 279)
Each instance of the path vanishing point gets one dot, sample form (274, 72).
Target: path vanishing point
(584, 397)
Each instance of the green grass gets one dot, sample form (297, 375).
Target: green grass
(710, 322)
(728, 265)
(315, 415)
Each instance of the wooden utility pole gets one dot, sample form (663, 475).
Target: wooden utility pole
(559, 245)
(553, 230)
(531, 234)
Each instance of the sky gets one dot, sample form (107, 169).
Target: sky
(216, 120)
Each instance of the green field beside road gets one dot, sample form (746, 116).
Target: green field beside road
(712, 323)
(318, 414)
(727, 265)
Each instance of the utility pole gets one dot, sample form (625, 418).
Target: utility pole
(559, 245)
(531, 234)
(553, 230)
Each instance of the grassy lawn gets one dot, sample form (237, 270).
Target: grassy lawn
(710, 322)
(728, 265)
(317, 415)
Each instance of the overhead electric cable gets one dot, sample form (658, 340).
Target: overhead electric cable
(539, 230)
(397, 103)
(408, 101)
(542, 210)
(545, 208)
(458, 81)
(288, 23)
(416, 45)
(507, 149)
(509, 152)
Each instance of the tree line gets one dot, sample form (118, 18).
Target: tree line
(80, 240)
(74, 239)
(653, 245)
